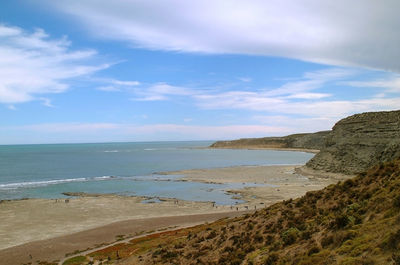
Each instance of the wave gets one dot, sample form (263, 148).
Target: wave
(104, 177)
(29, 184)
(39, 183)
(111, 151)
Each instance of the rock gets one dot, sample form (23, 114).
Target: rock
(358, 142)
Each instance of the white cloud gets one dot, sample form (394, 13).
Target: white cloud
(295, 97)
(323, 108)
(114, 85)
(109, 88)
(124, 83)
(245, 79)
(391, 84)
(31, 64)
(309, 95)
(297, 89)
(46, 102)
(161, 91)
(355, 33)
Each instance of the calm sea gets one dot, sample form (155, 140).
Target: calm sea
(45, 171)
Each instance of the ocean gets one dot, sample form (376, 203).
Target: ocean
(48, 170)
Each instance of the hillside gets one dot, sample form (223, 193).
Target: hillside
(314, 141)
(353, 222)
(359, 142)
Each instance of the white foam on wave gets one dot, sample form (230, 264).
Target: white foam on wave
(28, 184)
(111, 151)
(105, 177)
(39, 183)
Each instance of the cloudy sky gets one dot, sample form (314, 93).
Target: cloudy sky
(139, 70)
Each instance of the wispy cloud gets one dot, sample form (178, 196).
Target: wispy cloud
(109, 88)
(114, 85)
(356, 33)
(161, 91)
(299, 97)
(32, 65)
(245, 79)
(390, 84)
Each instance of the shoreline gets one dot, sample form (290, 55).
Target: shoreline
(50, 221)
(91, 211)
(246, 147)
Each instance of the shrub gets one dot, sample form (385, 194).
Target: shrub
(396, 258)
(396, 202)
(314, 249)
(348, 184)
(75, 260)
(326, 241)
(341, 221)
(258, 238)
(290, 236)
(272, 259)
(392, 240)
(211, 235)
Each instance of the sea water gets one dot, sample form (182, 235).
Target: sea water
(46, 171)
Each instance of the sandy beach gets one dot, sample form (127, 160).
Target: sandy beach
(25, 221)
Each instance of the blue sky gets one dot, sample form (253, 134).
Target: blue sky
(100, 71)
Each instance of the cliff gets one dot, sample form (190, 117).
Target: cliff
(313, 141)
(359, 142)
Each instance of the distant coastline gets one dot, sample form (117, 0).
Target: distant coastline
(305, 142)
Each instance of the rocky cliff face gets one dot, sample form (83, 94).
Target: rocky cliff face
(359, 142)
(298, 141)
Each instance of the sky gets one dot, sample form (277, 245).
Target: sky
(139, 70)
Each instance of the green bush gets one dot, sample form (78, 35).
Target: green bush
(290, 236)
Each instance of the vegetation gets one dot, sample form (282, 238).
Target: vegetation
(353, 222)
(75, 260)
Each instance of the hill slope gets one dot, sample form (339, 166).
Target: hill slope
(354, 222)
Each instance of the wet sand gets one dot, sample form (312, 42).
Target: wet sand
(282, 182)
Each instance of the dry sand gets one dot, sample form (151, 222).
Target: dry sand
(55, 249)
(24, 221)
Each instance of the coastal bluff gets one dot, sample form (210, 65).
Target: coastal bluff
(310, 141)
(358, 142)
(354, 144)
